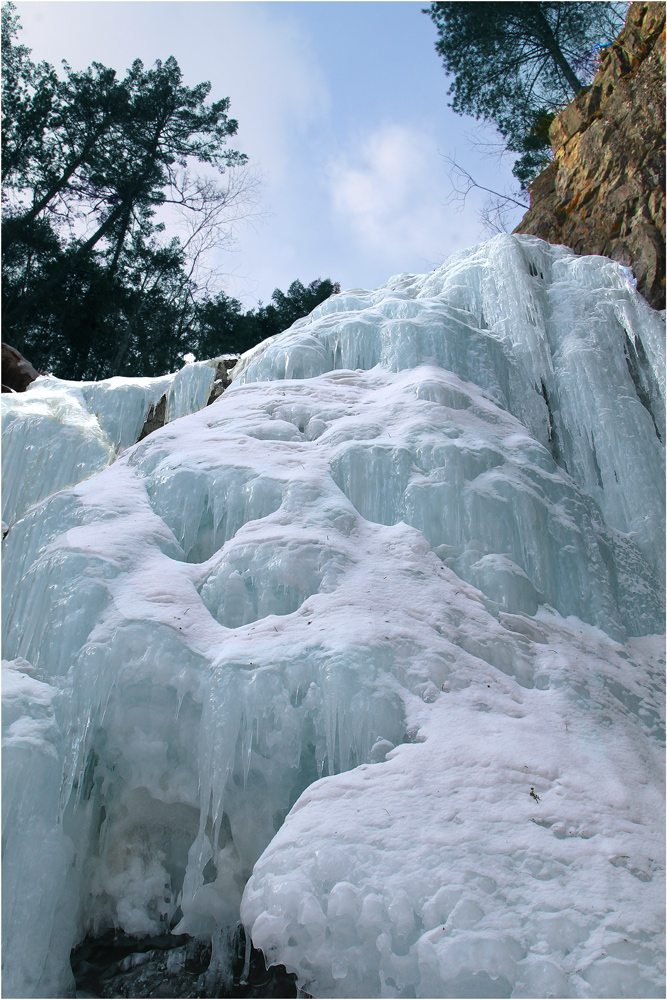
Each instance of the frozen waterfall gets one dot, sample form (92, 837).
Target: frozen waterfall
(63, 432)
(366, 654)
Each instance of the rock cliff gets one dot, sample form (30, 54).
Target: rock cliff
(604, 193)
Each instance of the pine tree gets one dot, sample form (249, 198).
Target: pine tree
(222, 327)
(514, 64)
(88, 160)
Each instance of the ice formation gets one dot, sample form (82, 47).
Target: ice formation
(60, 432)
(365, 653)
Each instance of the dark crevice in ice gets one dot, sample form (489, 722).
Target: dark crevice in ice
(222, 379)
(596, 464)
(173, 965)
(640, 373)
(157, 412)
(554, 443)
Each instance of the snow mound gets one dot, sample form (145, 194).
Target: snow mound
(363, 653)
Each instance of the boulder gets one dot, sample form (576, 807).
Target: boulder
(17, 373)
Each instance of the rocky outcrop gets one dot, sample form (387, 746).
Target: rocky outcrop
(154, 418)
(17, 373)
(174, 965)
(157, 413)
(222, 377)
(604, 193)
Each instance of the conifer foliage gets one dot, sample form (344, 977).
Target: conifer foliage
(222, 327)
(93, 285)
(515, 64)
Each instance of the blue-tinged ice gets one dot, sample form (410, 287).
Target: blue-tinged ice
(366, 654)
(58, 433)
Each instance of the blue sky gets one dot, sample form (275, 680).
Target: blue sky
(342, 110)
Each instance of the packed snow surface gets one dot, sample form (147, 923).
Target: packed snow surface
(364, 653)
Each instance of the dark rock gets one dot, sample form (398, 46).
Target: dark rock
(605, 191)
(154, 418)
(17, 373)
(170, 965)
(221, 380)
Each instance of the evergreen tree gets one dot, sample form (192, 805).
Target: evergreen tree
(219, 328)
(287, 307)
(222, 328)
(88, 159)
(515, 64)
(92, 286)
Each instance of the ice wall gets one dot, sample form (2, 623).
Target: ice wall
(560, 341)
(58, 433)
(346, 653)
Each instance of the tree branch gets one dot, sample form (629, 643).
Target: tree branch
(472, 183)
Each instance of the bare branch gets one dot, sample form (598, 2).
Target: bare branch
(496, 216)
(205, 213)
(463, 183)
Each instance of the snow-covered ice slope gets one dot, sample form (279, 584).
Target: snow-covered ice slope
(364, 652)
(59, 433)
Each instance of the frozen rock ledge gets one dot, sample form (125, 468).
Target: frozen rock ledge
(366, 654)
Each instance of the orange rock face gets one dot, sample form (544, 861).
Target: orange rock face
(605, 191)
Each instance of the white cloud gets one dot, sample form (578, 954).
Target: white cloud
(378, 208)
(391, 195)
(263, 61)
(271, 73)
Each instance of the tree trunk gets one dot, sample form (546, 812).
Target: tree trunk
(546, 36)
(111, 270)
(123, 345)
(62, 181)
